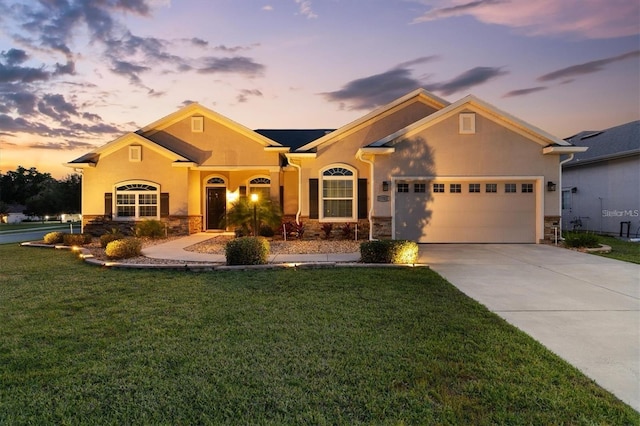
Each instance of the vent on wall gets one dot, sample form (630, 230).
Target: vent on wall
(135, 153)
(197, 124)
(467, 123)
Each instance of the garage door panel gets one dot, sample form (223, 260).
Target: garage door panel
(466, 217)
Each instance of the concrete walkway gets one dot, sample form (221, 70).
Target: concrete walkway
(583, 307)
(175, 250)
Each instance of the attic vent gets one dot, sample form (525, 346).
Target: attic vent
(197, 124)
(467, 123)
(135, 153)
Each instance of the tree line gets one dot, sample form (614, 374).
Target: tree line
(39, 193)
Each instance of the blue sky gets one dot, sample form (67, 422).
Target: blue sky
(75, 74)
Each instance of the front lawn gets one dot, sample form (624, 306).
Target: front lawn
(621, 250)
(84, 345)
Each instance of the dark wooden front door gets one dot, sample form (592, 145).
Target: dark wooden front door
(216, 207)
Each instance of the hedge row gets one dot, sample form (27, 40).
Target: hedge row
(389, 251)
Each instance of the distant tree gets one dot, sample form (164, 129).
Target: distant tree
(40, 193)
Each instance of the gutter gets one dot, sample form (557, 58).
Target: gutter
(566, 160)
(299, 167)
(360, 156)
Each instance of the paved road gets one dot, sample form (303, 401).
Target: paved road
(583, 307)
(34, 234)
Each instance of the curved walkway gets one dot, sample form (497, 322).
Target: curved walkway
(175, 250)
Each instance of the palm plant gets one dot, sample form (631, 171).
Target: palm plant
(241, 215)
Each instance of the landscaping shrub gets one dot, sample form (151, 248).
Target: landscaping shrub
(150, 228)
(247, 251)
(389, 251)
(111, 236)
(327, 228)
(347, 231)
(294, 229)
(76, 239)
(581, 239)
(53, 238)
(266, 231)
(124, 248)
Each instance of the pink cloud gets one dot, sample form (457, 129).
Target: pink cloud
(595, 19)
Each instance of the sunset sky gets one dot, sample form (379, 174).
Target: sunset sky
(76, 74)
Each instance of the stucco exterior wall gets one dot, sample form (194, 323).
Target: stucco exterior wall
(606, 193)
(116, 167)
(493, 150)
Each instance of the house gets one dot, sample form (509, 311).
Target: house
(14, 214)
(419, 168)
(601, 187)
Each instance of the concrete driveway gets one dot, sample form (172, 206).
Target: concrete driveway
(583, 307)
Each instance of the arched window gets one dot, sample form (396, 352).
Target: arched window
(137, 200)
(260, 185)
(338, 193)
(215, 181)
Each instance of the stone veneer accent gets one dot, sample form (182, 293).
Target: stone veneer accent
(551, 222)
(176, 225)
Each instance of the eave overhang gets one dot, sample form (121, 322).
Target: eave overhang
(559, 150)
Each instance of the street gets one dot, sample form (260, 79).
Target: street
(35, 234)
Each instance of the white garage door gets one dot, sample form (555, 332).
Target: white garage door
(466, 211)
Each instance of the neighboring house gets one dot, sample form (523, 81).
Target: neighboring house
(419, 168)
(15, 214)
(601, 187)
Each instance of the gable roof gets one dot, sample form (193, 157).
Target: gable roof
(418, 94)
(195, 109)
(614, 142)
(294, 138)
(474, 104)
(90, 159)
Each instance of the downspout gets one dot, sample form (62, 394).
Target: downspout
(299, 167)
(360, 157)
(560, 185)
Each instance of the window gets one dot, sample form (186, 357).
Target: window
(260, 186)
(338, 193)
(135, 153)
(467, 123)
(419, 187)
(566, 199)
(527, 187)
(197, 124)
(455, 188)
(137, 200)
(403, 187)
(438, 187)
(474, 187)
(491, 187)
(509, 187)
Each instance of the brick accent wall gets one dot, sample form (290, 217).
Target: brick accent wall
(382, 227)
(176, 225)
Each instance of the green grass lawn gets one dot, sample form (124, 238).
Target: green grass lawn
(621, 250)
(84, 345)
(33, 225)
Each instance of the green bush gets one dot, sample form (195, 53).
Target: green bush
(581, 239)
(247, 251)
(389, 251)
(76, 239)
(111, 236)
(124, 248)
(266, 231)
(53, 238)
(150, 228)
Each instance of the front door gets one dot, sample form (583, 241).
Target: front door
(216, 207)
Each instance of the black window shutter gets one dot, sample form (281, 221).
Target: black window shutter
(108, 204)
(313, 199)
(164, 204)
(281, 198)
(362, 199)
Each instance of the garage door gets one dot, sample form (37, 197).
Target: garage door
(466, 211)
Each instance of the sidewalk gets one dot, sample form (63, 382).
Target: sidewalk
(175, 250)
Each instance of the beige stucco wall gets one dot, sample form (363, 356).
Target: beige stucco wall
(493, 150)
(217, 145)
(116, 167)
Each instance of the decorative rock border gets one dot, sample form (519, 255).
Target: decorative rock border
(86, 255)
(602, 249)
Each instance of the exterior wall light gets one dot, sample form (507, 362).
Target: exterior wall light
(551, 187)
(385, 186)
